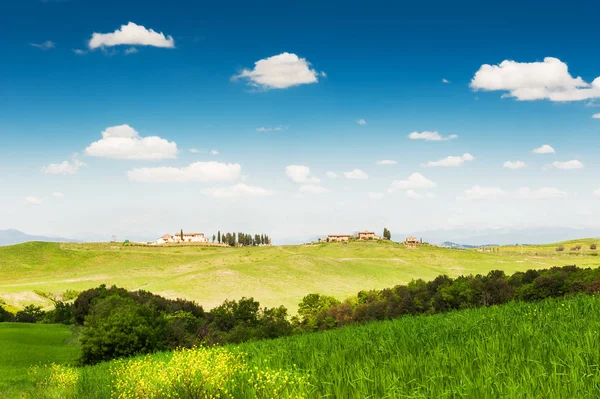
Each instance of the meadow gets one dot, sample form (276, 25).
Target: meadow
(277, 275)
(549, 349)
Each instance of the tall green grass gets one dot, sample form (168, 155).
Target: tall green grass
(549, 349)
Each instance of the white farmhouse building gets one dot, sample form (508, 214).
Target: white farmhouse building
(176, 238)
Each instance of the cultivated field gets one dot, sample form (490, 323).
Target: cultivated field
(278, 275)
(547, 350)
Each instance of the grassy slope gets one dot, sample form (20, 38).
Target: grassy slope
(25, 345)
(547, 350)
(273, 275)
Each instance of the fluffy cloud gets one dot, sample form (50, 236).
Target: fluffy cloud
(123, 142)
(47, 45)
(238, 190)
(414, 181)
(33, 200)
(524, 81)
(313, 189)
(271, 129)
(63, 168)
(412, 194)
(300, 174)
(196, 172)
(361, 122)
(445, 81)
(478, 193)
(596, 193)
(132, 35)
(375, 196)
(545, 149)
(450, 161)
(58, 194)
(214, 152)
(356, 174)
(514, 164)
(430, 136)
(387, 162)
(332, 175)
(596, 116)
(540, 193)
(280, 72)
(573, 164)
(194, 150)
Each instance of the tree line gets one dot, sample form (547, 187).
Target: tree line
(118, 323)
(241, 239)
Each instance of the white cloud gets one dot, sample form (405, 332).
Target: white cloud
(549, 79)
(477, 193)
(375, 196)
(361, 122)
(431, 136)
(545, 149)
(596, 193)
(300, 174)
(194, 150)
(79, 51)
(412, 194)
(387, 162)
(280, 72)
(514, 164)
(414, 181)
(58, 194)
(47, 45)
(238, 190)
(445, 81)
(271, 129)
(332, 175)
(196, 172)
(131, 50)
(540, 193)
(33, 200)
(573, 164)
(356, 174)
(214, 152)
(132, 35)
(596, 116)
(63, 168)
(313, 189)
(450, 161)
(123, 142)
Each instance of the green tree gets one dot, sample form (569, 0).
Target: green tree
(181, 233)
(219, 236)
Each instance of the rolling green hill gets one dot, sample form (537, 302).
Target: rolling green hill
(278, 275)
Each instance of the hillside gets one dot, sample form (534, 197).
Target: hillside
(278, 275)
(548, 350)
(12, 237)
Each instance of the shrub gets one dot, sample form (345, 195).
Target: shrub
(593, 247)
(5, 315)
(30, 314)
(560, 249)
(62, 313)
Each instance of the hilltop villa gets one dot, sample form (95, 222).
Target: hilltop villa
(368, 235)
(187, 237)
(363, 235)
(412, 242)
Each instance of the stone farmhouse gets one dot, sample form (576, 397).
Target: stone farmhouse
(336, 238)
(412, 242)
(368, 235)
(363, 235)
(187, 237)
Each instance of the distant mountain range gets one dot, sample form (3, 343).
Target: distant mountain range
(12, 236)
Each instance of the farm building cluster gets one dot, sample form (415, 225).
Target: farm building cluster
(181, 238)
(411, 242)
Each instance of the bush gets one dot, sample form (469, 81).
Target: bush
(5, 315)
(593, 247)
(30, 314)
(560, 249)
(62, 313)
(119, 327)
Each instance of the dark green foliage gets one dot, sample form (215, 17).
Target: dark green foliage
(5, 315)
(118, 327)
(62, 313)
(387, 235)
(30, 314)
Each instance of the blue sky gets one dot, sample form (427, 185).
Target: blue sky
(401, 68)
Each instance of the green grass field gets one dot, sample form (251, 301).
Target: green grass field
(278, 275)
(25, 345)
(546, 350)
